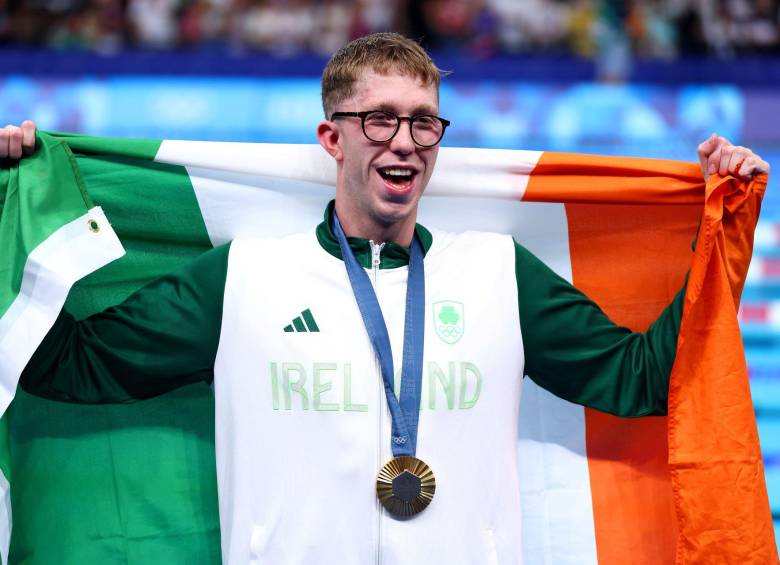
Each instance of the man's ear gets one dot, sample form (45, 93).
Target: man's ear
(328, 136)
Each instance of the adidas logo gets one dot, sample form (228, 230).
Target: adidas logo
(303, 323)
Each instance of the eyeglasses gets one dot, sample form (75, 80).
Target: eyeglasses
(381, 126)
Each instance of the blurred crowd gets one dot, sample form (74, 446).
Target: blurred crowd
(586, 28)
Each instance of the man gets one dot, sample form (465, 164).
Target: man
(306, 421)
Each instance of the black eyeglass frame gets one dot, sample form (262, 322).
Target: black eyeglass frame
(398, 119)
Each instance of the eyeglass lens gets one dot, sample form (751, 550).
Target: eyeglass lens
(382, 126)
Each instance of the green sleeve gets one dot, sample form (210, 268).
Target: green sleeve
(162, 337)
(576, 352)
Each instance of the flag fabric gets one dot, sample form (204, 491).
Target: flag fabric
(136, 483)
(49, 240)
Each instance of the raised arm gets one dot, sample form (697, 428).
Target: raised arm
(162, 337)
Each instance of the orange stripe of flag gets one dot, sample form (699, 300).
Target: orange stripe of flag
(593, 179)
(631, 260)
(717, 472)
(632, 270)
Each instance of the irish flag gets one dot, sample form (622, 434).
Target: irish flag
(136, 484)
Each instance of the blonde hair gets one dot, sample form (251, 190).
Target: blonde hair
(382, 53)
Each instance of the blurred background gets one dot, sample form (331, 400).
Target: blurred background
(651, 78)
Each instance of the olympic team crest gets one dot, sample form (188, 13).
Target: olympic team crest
(448, 320)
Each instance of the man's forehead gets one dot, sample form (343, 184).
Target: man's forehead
(396, 91)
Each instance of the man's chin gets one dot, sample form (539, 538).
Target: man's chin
(397, 207)
(388, 198)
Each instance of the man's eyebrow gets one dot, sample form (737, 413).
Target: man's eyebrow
(422, 109)
(425, 110)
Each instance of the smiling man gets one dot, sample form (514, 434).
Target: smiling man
(326, 452)
(382, 172)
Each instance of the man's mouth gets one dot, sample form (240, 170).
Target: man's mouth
(397, 178)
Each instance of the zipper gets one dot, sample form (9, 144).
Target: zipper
(376, 260)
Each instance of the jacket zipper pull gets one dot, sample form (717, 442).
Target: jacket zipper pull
(376, 251)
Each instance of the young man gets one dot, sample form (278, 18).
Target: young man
(306, 421)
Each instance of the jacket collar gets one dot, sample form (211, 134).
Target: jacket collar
(393, 254)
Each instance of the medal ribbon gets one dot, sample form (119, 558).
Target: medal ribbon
(405, 412)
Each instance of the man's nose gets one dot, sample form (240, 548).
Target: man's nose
(402, 142)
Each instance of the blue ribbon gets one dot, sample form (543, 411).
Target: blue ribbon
(405, 412)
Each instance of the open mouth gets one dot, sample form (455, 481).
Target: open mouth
(397, 178)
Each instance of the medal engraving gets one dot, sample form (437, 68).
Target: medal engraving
(405, 486)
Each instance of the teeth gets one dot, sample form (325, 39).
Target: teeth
(397, 172)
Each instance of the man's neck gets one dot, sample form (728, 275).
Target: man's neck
(357, 226)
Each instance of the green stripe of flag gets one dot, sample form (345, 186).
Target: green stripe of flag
(106, 147)
(43, 187)
(127, 484)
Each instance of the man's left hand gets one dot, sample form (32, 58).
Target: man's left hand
(718, 155)
(16, 141)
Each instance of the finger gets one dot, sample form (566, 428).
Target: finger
(738, 156)
(28, 136)
(713, 161)
(14, 142)
(4, 143)
(725, 157)
(704, 151)
(749, 167)
(753, 165)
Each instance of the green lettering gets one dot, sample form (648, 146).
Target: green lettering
(348, 405)
(274, 387)
(465, 369)
(296, 386)
(435, 374)
(318, 388)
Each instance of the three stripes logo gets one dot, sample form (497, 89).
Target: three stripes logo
(303, 323)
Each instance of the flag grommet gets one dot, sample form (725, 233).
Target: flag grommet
(94, 227)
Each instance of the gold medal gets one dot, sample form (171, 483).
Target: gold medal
(405, 486)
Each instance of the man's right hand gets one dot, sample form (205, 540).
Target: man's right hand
(16, 141)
